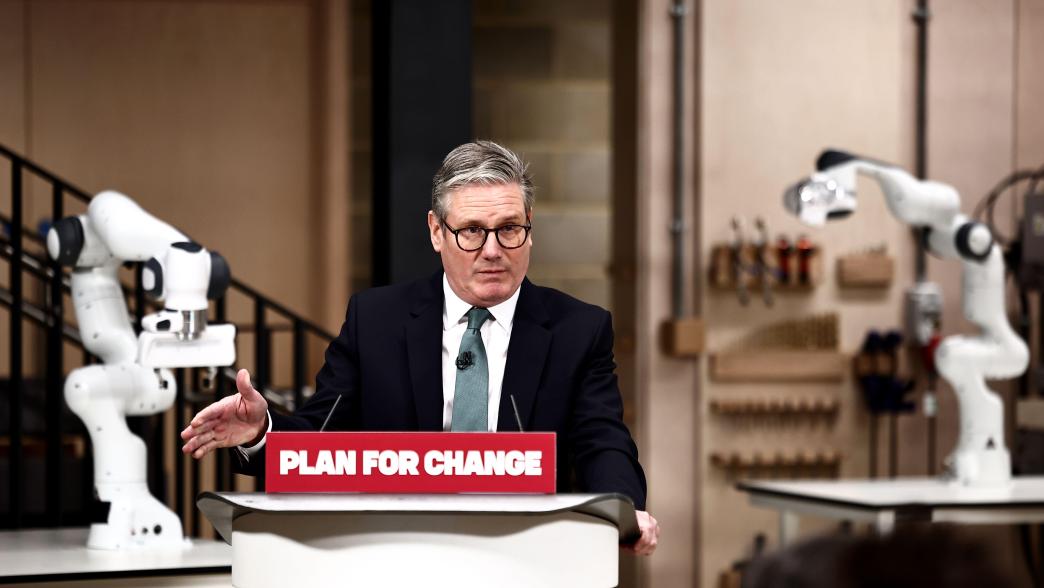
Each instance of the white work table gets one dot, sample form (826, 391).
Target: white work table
(61, 555)
(884, 503)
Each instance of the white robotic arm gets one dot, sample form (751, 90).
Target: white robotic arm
(178, 271)
(134, 378)
(980, 457)
(120, 229)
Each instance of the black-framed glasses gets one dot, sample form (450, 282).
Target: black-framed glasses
(474, 238)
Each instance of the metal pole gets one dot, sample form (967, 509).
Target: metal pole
(179, 458)
(873, 444)
(921, 16)
(893, 444)
(195, 462)
(299, 363)
(15, 383)
(221, 479)
(260, 346)
(139, 297)
(678, 12)
(53, 377)
(260, 358)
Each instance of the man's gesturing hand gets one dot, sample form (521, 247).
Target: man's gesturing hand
(650, 534)
(233, 420)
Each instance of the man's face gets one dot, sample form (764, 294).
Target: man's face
(490, 275)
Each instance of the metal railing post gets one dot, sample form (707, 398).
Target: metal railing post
(299, 363)
(16, 462)
(261, 358)
(261, 373)
(53, 378)
(179, 458)
(193, 407)
(220, 391)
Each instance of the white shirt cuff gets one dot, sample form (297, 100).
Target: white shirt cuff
(248, 452)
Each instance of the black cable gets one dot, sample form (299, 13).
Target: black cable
(986, 204)
(997, 190)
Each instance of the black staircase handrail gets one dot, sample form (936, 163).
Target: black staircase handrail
(84, 196)
(234, 283)
(281, 400)
(39, 269)
(79, 193)
(70, 188)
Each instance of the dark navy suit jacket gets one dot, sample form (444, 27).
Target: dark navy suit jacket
(386, 363)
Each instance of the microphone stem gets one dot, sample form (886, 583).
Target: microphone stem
(518, 419)
(330, 414)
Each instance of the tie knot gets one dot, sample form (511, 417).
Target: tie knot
(477, 316)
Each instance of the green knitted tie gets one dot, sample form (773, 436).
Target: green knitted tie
(471, 393)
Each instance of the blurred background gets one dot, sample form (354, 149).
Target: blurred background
(298, 139)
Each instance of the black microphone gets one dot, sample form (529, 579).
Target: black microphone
(518, 419)
(465, 360)
(332, 409)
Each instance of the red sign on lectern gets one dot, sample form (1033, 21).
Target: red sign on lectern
(410, 463)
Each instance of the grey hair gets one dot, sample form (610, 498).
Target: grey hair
(484, 163)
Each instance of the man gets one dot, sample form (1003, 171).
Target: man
(394, 364)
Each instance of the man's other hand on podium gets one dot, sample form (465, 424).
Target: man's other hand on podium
(646, 544)
(241, 419)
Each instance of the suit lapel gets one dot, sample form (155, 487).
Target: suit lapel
(527, 353)
(424, 352)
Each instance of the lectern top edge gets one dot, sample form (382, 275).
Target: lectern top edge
(221, 508)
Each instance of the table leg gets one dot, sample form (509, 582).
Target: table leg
(884, 523)
(789, 526)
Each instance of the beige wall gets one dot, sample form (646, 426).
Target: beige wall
(1029, 133)
(198, 110)
(12, 85)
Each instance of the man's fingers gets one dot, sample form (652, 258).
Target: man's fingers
(244, 386)
(644, 546)
(214, 411)
(204, 443)
(196, 429)
(196, 441)
(650, 536)
(650, 529)
(202, 451)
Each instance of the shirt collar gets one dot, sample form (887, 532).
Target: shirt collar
(454, 309)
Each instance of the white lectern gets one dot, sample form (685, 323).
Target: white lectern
(422, 540)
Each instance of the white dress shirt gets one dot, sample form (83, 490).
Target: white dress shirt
(496, 334)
